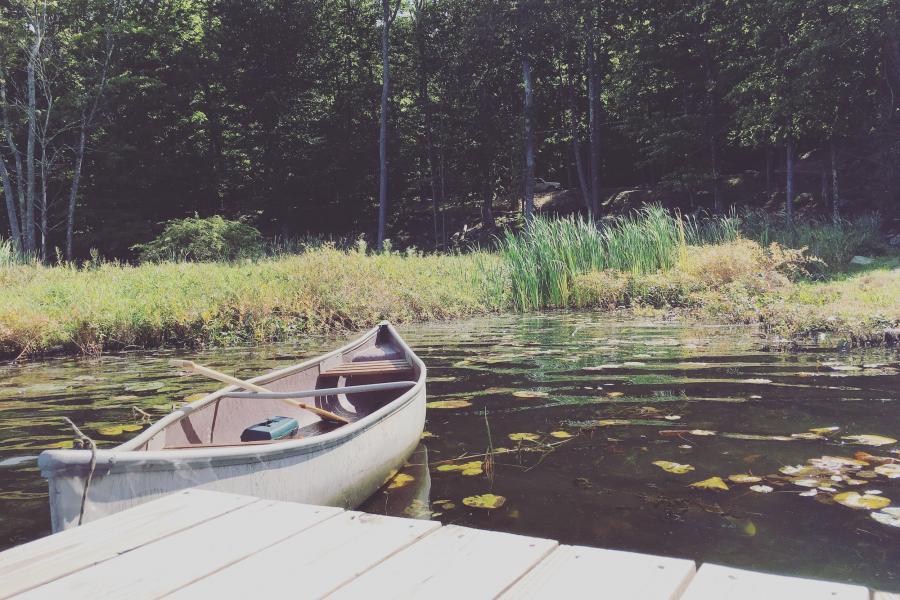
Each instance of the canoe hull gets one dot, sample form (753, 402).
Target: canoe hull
(342, 468)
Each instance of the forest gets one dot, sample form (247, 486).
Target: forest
(420, 121)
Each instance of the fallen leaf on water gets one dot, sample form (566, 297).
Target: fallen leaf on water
(869, 440)
(194, 397)
(114, 430)
(427, 434)
(62, 444)
(400, 480)
(673, 467)
(890, 470)
(744, 478)
(489, 501)
(518, 437)
(449, 404)
(469, 468)
(615, 394)
(875, 460)
(701, 432)
(888, 516)
(824, 430)
(807, 436)
(762, 489)
(530, 394)
(418, 510)
(865, 501)
(809, 493)
(749, 528)
(713, 483)
(672, 417)
(561, 434)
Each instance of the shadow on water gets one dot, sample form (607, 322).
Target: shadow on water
(629, 394)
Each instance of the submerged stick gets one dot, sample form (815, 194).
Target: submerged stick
(190, 365)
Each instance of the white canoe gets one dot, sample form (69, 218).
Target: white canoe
(382, 394)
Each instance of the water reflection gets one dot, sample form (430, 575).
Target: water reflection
(630, 393)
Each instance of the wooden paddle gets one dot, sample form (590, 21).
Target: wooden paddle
(190, 365)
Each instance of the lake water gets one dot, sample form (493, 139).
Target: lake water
(629, 394)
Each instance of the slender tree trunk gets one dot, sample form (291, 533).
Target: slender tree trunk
(73, 191)
(383, 131)
(835, 192)
(11, 213)
(28, 222)
(789, 181)
(593, 120)
(576, 149)
(529, 140)
(770, 168)
(43, 204)
(425, 102)
(17, 158)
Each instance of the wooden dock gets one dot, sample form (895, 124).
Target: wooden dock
(198, 544)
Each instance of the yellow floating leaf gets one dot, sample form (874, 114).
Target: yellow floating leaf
(449, 404)
(519, 437)
(62, 444)
(611, 422)
(744, 478)
(864, 501)
(132, 427)
(615, 394)
(194, 397)
(469, 468)
(890, 470)
(427, 434)
(530, 394)
(888, 516)
(673, 467)
(561, 434)
(749, 528)
(713, 483)
(870, 440)
(824, 430)
(400, 480)
(489, 501)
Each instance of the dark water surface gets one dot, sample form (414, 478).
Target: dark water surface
(629, 393)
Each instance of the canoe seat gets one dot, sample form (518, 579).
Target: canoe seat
(369, 367)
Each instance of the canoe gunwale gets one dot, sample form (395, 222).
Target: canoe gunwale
(128, 458)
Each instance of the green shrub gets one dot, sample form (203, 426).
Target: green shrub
(202, 240)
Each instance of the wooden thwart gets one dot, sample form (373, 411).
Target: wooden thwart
(371, 367)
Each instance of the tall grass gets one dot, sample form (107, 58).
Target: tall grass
(543, 261)
(9, 254)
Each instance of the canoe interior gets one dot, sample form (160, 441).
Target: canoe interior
(221, 422)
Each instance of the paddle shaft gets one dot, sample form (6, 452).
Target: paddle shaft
(225, 378)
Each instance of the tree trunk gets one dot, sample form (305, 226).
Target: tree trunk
(576, 150)
(789, 182)
(43, 204)
(17, 158)
(594, 124)
(73, 191)
(770, 168)
(425, 102)
(835, 193)
(383, 130)
(529, 140)
(11, 213)
(28, 222)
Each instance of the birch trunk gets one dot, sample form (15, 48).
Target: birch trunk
(17, 158)
(593, 118)
(835, 192)
(11, 213)
(28, 222)
(383, 129)
(529, 140)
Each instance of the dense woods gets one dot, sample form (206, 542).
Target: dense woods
(118, 115)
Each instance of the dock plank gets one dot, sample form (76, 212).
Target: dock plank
(715, 582)
(166, 565)
(573, 571)
(318, 560)
(61, 554)
(453, 562)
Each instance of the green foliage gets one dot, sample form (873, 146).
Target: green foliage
(202, 240)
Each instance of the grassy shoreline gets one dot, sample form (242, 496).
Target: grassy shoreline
(651, 260)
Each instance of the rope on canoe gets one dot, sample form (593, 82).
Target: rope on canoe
(85, 442)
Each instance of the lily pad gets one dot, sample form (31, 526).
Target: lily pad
(824, 430)
(469, 468)
(744, 478)
(530, 394)
(890, 470)
(673, 467)
(888, 516)
(520, 437)
(62, 444)
(870, 440)
(400, 480)
(762, 489)
(561, 435)
(114, 430)
(862, 501)
(713, 483)
(487, 501)
(701, 432)
(615, 394)
(449, 404)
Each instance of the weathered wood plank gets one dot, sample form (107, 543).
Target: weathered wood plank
(715, 582)
(55, 556)
(171, 563)
(317, 561)
(453, 562)
(574, 572)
